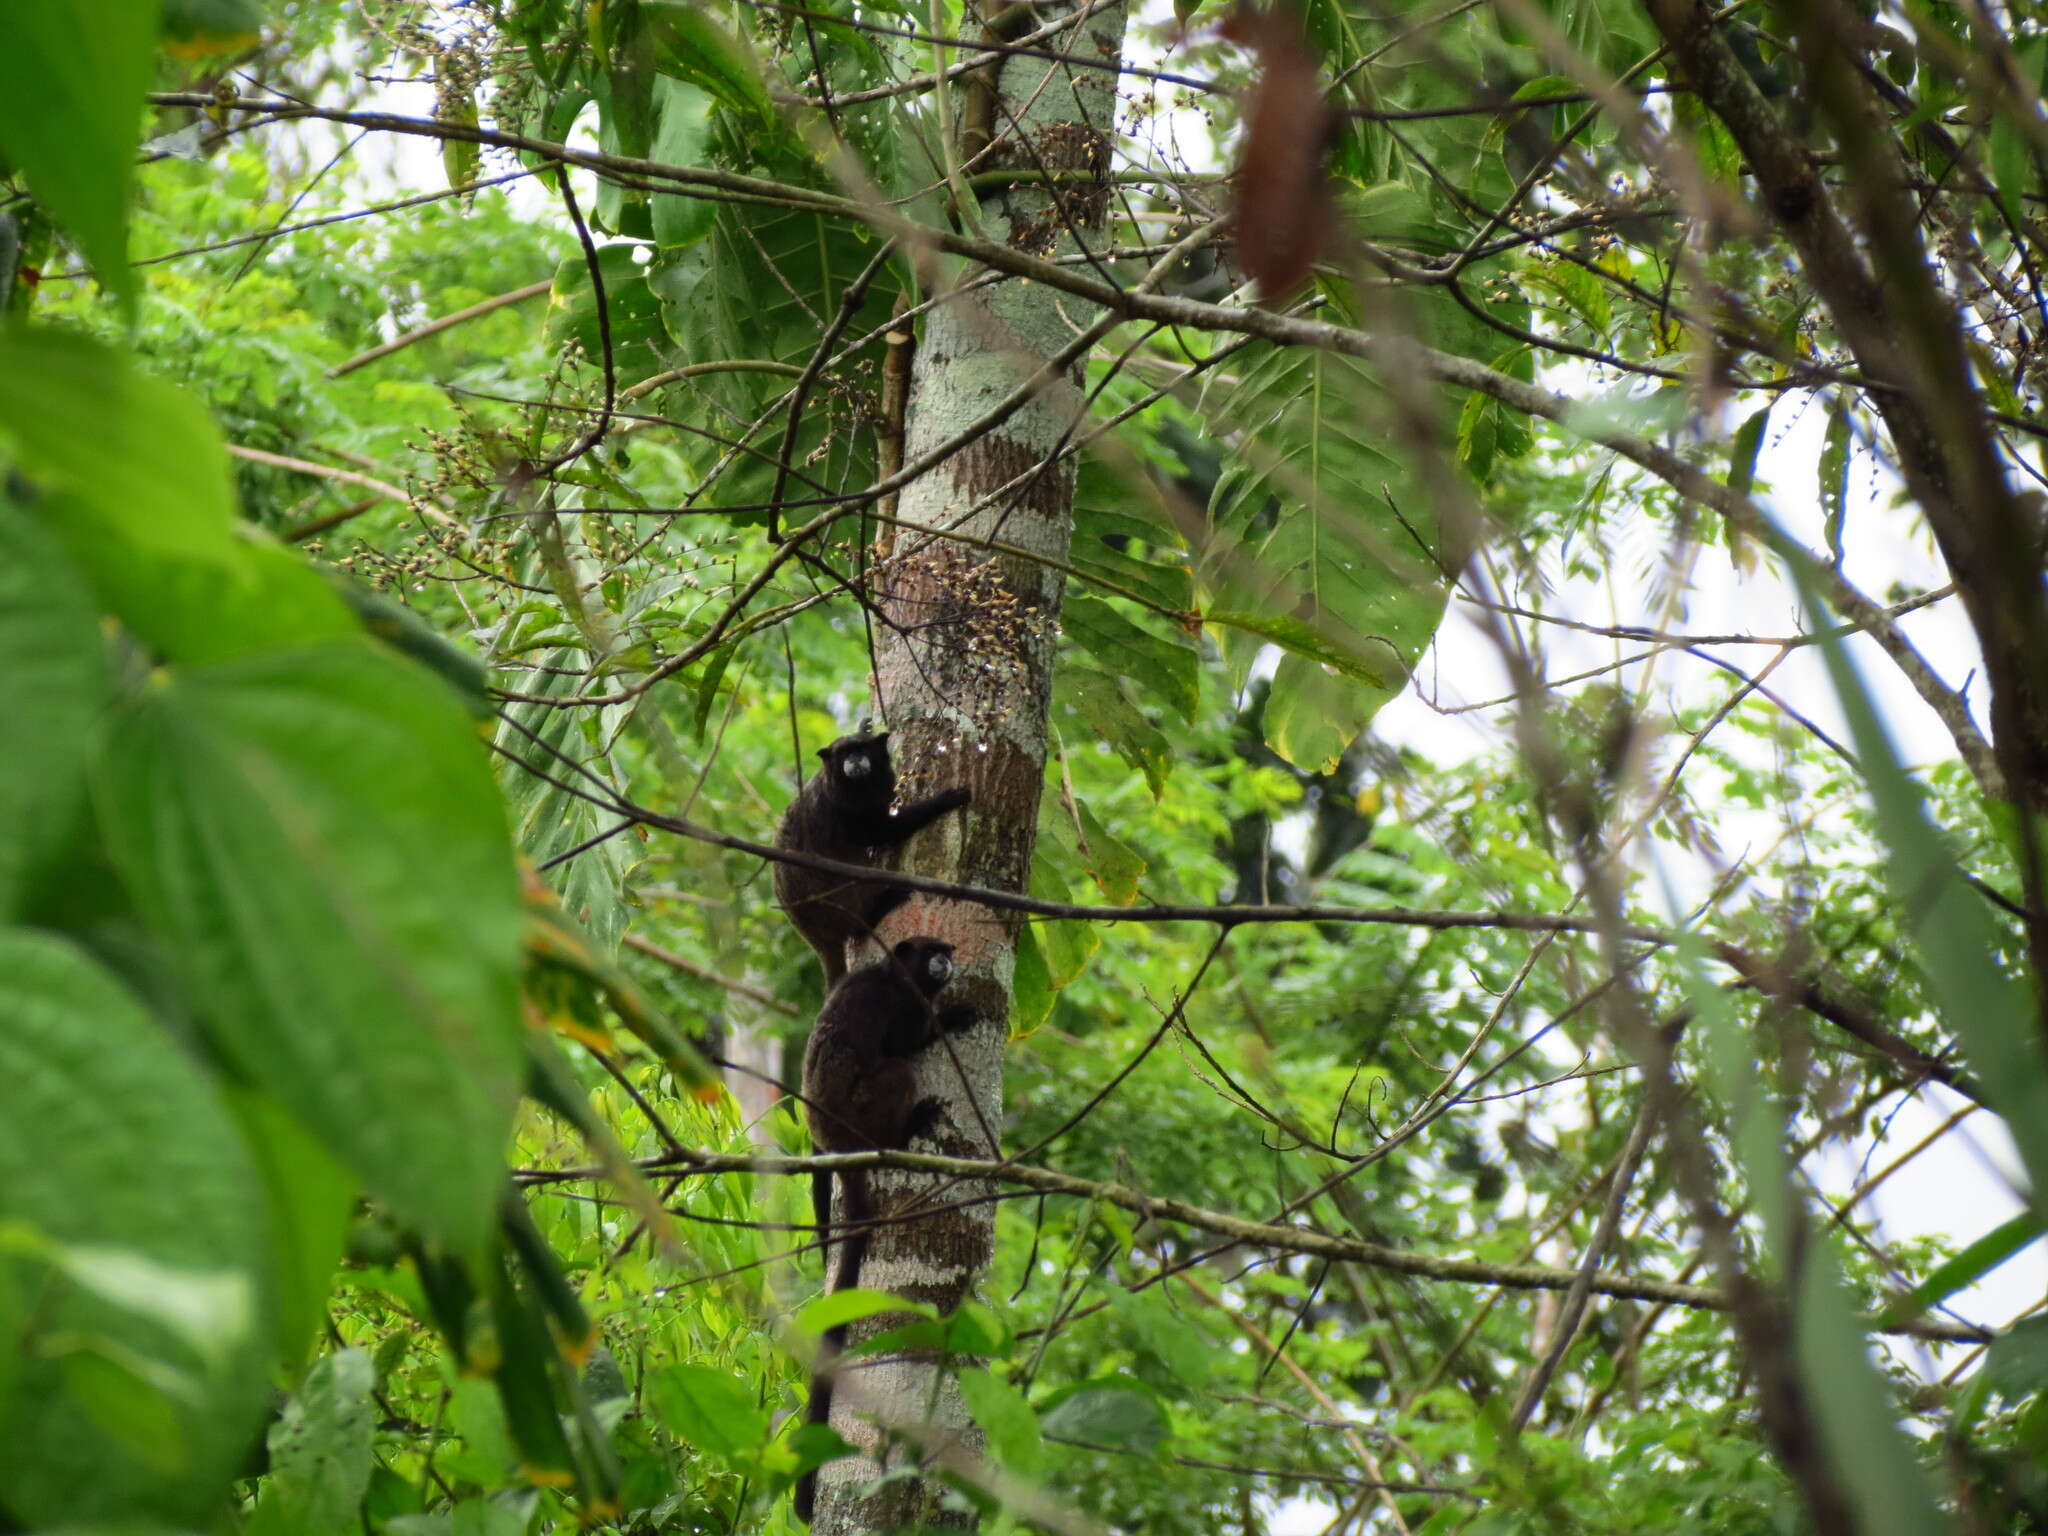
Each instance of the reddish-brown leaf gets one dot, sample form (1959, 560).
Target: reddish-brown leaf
(1286, 213)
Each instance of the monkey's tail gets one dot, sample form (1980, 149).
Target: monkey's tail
(853, 1251)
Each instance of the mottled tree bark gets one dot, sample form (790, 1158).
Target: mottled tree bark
(963, 679)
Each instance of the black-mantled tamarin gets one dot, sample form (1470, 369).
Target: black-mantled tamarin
(860, 1095)
(845, 813)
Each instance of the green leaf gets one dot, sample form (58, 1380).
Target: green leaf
(2016, 1365)
(2012, 167)
(1967, 1267)
(1113, 1418)
(1006, 1418)
(973, 1330)
(196, 28)
(1031, 990)
(152, 527)
(1322, 541)
(460, 157)
(64, 399)
(1125, 537)
(1377, 671)
(1112, 865)
(471, 1517)
(72, 79)
(1548, 85)
(524, 1373)
(1167, 668)
(630, 304)
(1313, 714)
(1835, 457)
(320, 1448)
(478, 1414)
(1874, 1461)
(1110, 715)
(683, 124)
(311, 1200)
(401, 628)
(1166, 1334)
(689, 45)
(835, 1310)
(134, 1265)
(316, 838)
(711, 1409)
(1743, 449)
(53, 689)
(197, 609)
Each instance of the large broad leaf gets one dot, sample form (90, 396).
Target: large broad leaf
(152, 526)
(52, 692)
(759, 289)
(683, 124)
(317, 838)
(1006, 1417)
(634, 316)
(72, 78)
(690, 45)
(66, 404)
(1125, 541)
(766, 282)
(197, 608)
(312, 1200)
(1320, 541)
(710, 1409)
(1114, 1414)
(132, 1256)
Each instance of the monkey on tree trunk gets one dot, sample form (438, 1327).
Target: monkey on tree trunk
(845, 813)
(860, 1095)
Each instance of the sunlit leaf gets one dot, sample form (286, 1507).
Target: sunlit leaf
(315, 835)
(134, 1235)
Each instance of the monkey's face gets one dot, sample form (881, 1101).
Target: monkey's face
(860, 766)
(927, 962)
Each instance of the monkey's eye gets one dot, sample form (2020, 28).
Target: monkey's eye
(940, 966)
(855, 768)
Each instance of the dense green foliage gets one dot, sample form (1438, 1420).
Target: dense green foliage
(351, 1188)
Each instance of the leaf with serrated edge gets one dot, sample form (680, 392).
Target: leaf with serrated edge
(317, 839)
(112, 1098)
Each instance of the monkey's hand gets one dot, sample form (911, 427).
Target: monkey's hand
(958, 1018)
(924, 1118)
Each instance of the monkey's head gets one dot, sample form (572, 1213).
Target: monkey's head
(927, 962)
(859, 767)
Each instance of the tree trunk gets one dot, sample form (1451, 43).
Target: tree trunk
(963, 680)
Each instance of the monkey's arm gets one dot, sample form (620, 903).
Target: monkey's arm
(923, 1119)
(957, 1018)
(918, 815)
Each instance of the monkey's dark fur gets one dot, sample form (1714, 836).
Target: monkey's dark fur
(860, 1092)
(844, 813)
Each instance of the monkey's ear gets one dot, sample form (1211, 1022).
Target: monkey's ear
(824, 754)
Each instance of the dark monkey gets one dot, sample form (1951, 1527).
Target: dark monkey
(844, 813)
(860, 1093)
